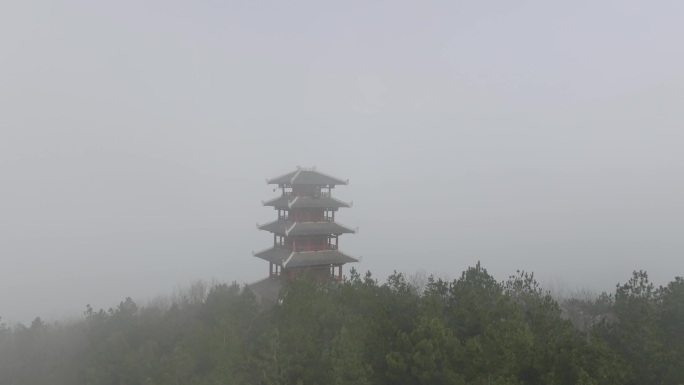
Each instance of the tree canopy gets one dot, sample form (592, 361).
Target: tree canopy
(472, 330)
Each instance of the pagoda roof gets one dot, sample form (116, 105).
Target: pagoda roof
(294, 202)
(268, 289)
(285, 258)
(308, 176)
(287, 228)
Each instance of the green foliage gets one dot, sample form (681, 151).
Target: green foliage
(671, 324)
(473, 330)
(430, 354)
(346, 362)
(646, 330)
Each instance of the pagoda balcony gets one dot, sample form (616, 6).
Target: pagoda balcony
(305, 247)
(309, 218)
(319, 194)
(297, 228)
(306, 202)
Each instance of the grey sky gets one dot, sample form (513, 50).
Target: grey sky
(136, 137)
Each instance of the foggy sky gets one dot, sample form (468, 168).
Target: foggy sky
(136, 137)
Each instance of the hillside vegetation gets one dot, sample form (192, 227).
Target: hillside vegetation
(473, 330)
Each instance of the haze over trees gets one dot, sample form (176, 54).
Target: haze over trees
(472, 330)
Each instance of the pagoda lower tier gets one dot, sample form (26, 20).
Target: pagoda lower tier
(286, 258)
(320, 265)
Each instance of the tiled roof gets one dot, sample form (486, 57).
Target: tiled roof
(277, 255)
(290, 202)
(287, 228)
(267, 289)
(319, 258)
(277, 227)
(286, 258)
(307, 176)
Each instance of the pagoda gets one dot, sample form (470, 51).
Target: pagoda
(305, 234)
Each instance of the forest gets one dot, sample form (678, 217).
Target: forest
(473, 330)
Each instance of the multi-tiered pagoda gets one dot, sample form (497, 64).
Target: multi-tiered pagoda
(306, 235)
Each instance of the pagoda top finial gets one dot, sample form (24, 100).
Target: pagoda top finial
(307, 176)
